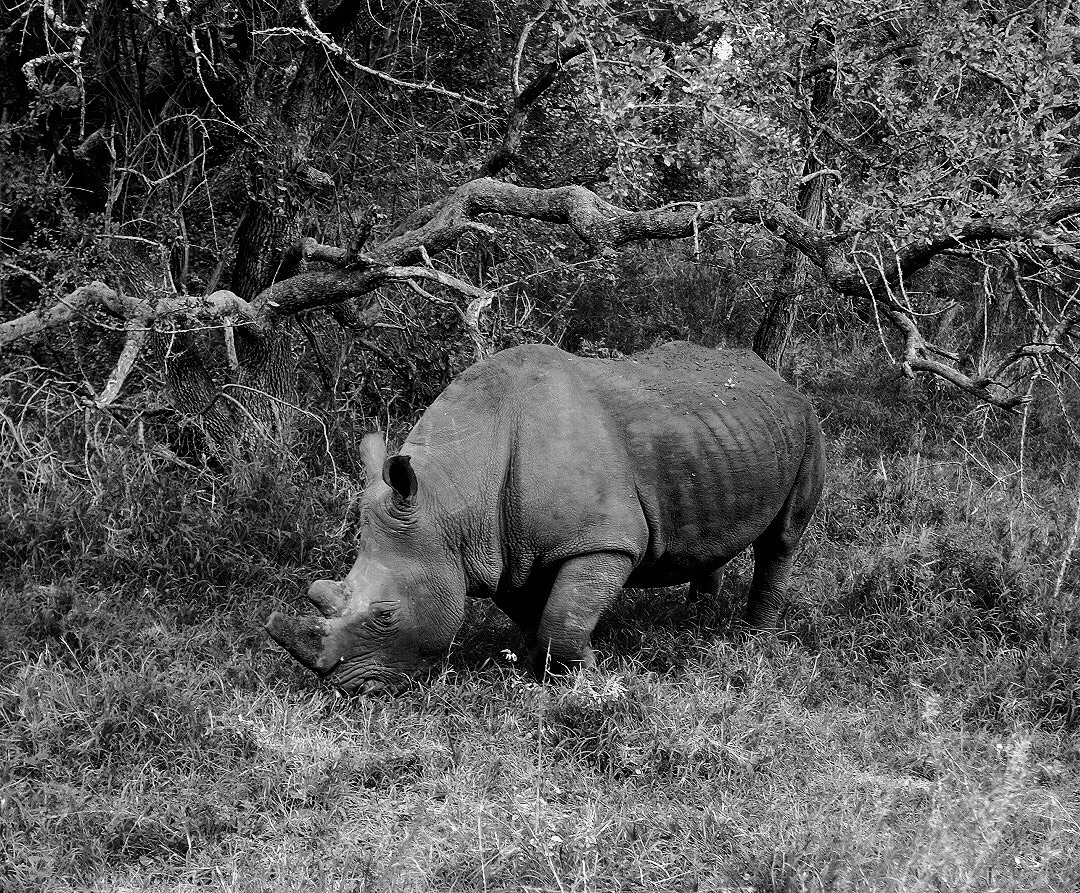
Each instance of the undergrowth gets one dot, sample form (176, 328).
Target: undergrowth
(913, 728)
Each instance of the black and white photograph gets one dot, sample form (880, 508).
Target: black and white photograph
(558, 446)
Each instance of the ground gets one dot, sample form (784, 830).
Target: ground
(914, 727)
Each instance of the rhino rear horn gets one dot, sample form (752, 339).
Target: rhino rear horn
(303, 637)
(328, 596)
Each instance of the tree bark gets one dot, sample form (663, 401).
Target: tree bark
(774, 331)
(268, 241)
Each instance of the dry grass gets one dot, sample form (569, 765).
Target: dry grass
(914, 729)
(146, 770)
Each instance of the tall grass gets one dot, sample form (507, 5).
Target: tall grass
(914, 728)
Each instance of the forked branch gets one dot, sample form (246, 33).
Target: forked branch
(525, 97)
(919, 357)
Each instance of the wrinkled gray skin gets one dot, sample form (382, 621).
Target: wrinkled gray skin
(547, 482)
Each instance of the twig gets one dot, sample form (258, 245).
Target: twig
(314, 33)
(1069, 548)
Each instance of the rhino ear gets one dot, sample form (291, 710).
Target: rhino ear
(372, 455)
(398, 473)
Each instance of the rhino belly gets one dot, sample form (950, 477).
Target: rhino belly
(687, 550)
(672, 573)
(708, 488)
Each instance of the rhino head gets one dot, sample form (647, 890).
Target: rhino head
(402, 603)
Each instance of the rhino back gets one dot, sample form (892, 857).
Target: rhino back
(680, 457)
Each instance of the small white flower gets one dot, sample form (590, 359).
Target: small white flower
(723, 50)
(931, 708)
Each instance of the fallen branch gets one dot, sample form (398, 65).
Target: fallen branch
(601, 225)
(151, 310)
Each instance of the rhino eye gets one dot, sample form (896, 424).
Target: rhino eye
(382, 616)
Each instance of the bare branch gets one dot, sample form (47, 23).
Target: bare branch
(603, 225)
(433, 275)
(312, 32)
(916, 359)
(481, 299)
(138, 332)
(154, 309)
(30, 326)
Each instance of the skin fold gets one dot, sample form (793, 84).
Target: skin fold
(548, 482)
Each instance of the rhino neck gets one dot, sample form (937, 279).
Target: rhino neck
(467, 477)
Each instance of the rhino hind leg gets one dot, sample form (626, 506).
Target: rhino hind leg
(584, 587)
(774, 550)
(772, 572)
(707, 586)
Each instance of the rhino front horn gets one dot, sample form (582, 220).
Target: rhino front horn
(303, 637)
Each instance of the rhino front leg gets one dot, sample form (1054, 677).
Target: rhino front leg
(584, 587)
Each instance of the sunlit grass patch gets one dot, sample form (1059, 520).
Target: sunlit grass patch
(747, 766)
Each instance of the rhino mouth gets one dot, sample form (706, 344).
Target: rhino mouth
(313, 643)
(346, 650)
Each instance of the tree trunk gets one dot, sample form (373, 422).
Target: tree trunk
(774, 331)
(268, 249)
(776, 326)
